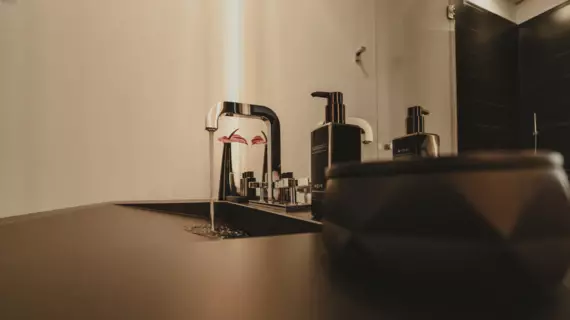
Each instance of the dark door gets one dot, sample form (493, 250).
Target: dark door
(545, 80)
(487, 88)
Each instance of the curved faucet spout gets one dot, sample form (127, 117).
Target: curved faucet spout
(212, 118)
(225, 108)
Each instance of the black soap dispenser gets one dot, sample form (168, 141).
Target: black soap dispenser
(334, 142)
(416, 143)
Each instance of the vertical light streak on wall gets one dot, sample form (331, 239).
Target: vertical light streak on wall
(233, 49)
(234, 66)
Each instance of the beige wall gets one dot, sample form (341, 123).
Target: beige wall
(526, 10)
(504, 8)
(105, 100)
(98, 99)
(415, 67)
(532, 8)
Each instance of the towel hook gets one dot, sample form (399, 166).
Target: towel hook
(359, 52)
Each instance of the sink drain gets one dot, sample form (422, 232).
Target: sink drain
(221, 232)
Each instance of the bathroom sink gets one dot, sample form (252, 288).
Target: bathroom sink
(256, 222)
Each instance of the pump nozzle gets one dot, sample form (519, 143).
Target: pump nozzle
(335, 107)
(417, 111)
(332, 97)
(415, 120)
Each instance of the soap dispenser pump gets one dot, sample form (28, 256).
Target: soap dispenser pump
(335, 109)
(333, 142)
(416, 143)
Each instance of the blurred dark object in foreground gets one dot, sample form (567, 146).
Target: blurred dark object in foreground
(489, 227)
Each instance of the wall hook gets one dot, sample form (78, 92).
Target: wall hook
(359, 52)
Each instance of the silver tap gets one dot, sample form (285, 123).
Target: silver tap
(261, 186)
(304, 186)
(237, 109)
(288, 186)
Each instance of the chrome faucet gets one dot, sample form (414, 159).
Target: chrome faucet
(236, 109)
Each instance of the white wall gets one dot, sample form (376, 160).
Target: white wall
(520, 13)
(415, 67)
(532, 8)
(293, 48)
(105, 100)
(504, 8)
(98, 100)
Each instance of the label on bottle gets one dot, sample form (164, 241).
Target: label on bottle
(319, 158)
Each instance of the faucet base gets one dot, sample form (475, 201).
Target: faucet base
(282, 207)
(237, 199)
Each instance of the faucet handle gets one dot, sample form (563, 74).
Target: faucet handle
(285, 183)
(261, 186)
(258, 185)
(303, 183)
(288, 185)
(304, 186)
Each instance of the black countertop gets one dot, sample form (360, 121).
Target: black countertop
(113, 262)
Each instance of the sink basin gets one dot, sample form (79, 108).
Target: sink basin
(256, 222)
